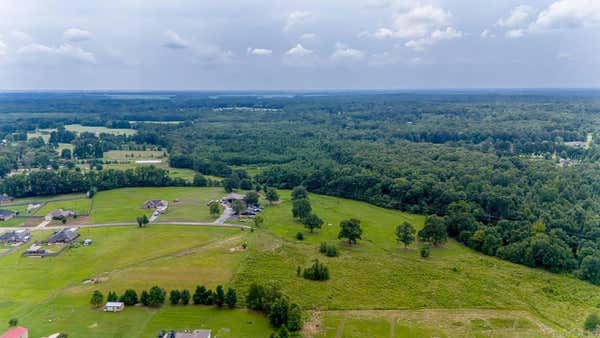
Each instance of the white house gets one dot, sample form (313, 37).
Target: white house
(114, 306)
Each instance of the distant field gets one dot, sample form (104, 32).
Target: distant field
(43, 133)
(77, 128)
(124, 205)
(62, 146)
(134, 155)
(79, 206)
(13, 222)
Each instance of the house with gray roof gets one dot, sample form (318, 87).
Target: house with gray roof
(5, 215)
(13, 237)
(66, 235)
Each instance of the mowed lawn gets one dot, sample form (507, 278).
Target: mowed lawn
(124, 205)
(379, 274)
(80, 206)
(48, 295)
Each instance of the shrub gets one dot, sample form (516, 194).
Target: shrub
(318, 271)
(425, 250)
(175, 297)
(97, 298)
(129, 297)
(591, 322)
(185, 297)
(13, 322)
(328, 250)
(300, 236)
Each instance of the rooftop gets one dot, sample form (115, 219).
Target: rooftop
(15, 332)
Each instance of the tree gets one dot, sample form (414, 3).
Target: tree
(200, 180)
(278, 314)
(294, 321)
(301, 208)
(129, 297)
(312, 222)
(251, 198)
(65, 154)
(237, 206)
(351, 230)
(145, 298)
(434, 230)
(425, 250)
(261, 296)
(140, 221)
(299, 192)
(591, 322)
(318, 271)
(282, 332)
(219, 296)
(156, 296)
(258, 221)
(112, 297)
(590, 269)
(97, 298)
(13, 322)
(145, 220)
(215, 209)
(200, 295)
(174, 297)
(231, 298)
(271, 195)
(185, 297)
(405, 233)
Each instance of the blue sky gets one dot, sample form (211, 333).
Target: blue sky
(335, 44)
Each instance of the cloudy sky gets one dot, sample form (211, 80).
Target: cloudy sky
(321, 44)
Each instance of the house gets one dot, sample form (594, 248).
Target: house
(232, 197)
(66, 235)
(5, 215)
(6, 199)
(34, 250)
(114, 306)
(16, 332)
(160, 205)
(13, 237)
(59, 214)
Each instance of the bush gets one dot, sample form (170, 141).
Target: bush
(175, 297)
(13, 322)
(328, 250)
(129, 298)
(300, 236)
(591, 322)
(318, 271)
(425, 250)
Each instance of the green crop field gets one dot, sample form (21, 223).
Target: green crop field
(124, 205)
(79, 206)
(377, 288)
(13, 222)
(77, 128)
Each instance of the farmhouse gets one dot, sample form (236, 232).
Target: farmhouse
(59, 214)
(66, 235)
(232, 197)
(114, 307)
(16, 332)
(160, 205)
(13, 237)
(7, 214)
(6, 199)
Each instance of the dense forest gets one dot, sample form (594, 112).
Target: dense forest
(514, 174)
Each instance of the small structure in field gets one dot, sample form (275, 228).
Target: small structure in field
(186, 334)
(114, 307)
(33, 206)
(16, 332)
(66, 235)
(160, 205)
(232, 197)
(87, 242)
(15, 237)
(5, 215)
(59, 214)
(35, 250)
(6, 199)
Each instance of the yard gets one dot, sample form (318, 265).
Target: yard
(80, 206)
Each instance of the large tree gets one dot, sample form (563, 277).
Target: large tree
(271, 195)
(301, 208)
(405, 233)
(299, 192)
(434, 230)
(312, 222)
(351, 230)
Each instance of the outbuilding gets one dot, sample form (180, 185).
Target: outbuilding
(114, 306)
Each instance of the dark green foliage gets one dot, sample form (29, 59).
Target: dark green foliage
(219, 296)
(200, 180)
(215, 209)
(312, 222)
(294, 322)
(590, 268)
(13, 322)
(156, 297)
(351, 230)
(405, 233)
(301, 208)
(174, 297)
(261, 296)
(200, 295)
(112, 297)
(299, 192)
(425, 250)
(231, 298)
(271, 195)
(278, 314)
(185, 297)
(282, 332)
(145, 298)
(591, 322)
(317, 271)
(328, 250)
(251, 198)
(299, 236)
(541, 250)
(97, 298)
(129, 297)
(237, 206)
(434, 230)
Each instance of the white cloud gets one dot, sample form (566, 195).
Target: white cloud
(344, 52)
(2, 48)
(416, 22)
(308, 36)
(298, 50)
(66, 51)
(449, 33)
(174, 41)
(296, 18)
(568, 14)
(487, 34)
(514, 33)
(76, 35)
(518, 17)
(259, 51)
(20, 38)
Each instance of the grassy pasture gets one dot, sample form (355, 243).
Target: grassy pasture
(45, 293)
(13, 222)
(77, 128)
(79, 206)
(124, 205)
(133, 155)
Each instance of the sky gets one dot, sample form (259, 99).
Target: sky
(298, 45)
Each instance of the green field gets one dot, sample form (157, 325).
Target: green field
(124, 205)
(377, 288)
(13, 222)
(134, 155)
(79, 206)
(77, 128)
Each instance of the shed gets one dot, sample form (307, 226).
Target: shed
(114, 306)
